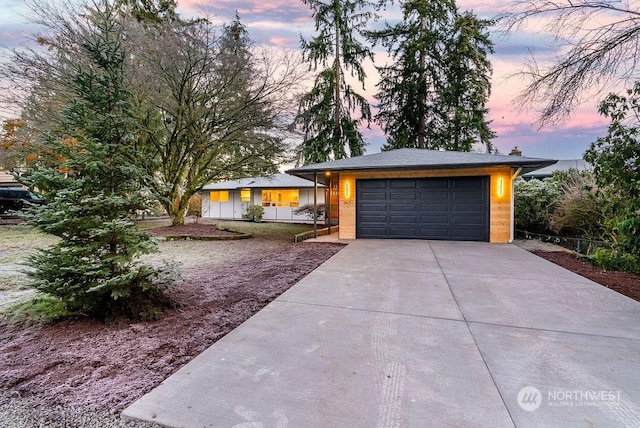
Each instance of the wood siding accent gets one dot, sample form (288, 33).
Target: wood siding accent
(499, 206)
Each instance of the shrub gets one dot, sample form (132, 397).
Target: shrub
(254, 213)
(195, 206)
(535, 200)
(581, 207)
(614, 259)
(308, 209)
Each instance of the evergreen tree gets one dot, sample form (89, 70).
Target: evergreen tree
(467, 86)
(432, 95)
(330, 130)
(94, 189)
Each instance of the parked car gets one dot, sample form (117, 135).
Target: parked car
(14, 199)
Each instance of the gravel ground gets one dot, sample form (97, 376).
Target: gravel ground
(29, 413)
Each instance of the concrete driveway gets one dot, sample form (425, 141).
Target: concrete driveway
(419, 333)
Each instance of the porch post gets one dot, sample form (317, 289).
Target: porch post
(315, 204)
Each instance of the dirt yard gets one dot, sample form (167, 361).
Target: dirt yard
(95, 367)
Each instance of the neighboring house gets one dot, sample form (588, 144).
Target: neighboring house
(7, 180)
(561, 165)
(424, 194)
(279, 195)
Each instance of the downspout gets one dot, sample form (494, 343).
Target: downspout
(315, 205)
(513, 208)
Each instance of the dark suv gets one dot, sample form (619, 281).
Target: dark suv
(15, 199)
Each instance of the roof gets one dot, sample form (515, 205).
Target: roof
(402, 159)
(561, 165)
(271, 182)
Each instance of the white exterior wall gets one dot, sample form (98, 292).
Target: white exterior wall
(230, 210)
(234, 208)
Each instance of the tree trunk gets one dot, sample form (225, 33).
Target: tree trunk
(337, 128)
(422, 126)
(177, 215)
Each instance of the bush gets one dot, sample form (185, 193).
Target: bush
(616, 260)
(195, 206)
(254, 213)
(535, 201)
(308, 209)
(581, 207)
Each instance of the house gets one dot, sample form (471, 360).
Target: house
(7, 180)
(280, 195)
(423, 194)
(561, 165)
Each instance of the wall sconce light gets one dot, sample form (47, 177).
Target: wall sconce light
(500, 189)
(347, 189)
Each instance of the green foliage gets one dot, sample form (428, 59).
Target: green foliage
(614, 259)
(616, 161)
(310, 210)
(37, 310)
(325, 113)
(254, 213)
(535, 201)
(95, 190)
(433, 92)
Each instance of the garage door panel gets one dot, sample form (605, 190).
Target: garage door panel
(433, 208)
(404, 207)
(402, 184)
(434, 183)
(403, 219)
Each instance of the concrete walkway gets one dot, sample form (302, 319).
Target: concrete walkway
(419, 333)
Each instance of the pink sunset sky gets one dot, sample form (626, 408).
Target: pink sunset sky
(281, 22)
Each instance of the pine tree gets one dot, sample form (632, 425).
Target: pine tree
(94, 189)
(326, 111)
(432, 95)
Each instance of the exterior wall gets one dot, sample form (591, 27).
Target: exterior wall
(230, 210)
(499, 206)
(234, 208)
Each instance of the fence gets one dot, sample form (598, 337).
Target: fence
(579, 245)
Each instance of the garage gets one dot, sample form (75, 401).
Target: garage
(450, 208)
(423, 194)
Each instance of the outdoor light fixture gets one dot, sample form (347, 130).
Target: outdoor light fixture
(500, 187)
(347, 190)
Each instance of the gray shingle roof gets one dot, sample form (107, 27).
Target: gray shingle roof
(561, 165)
(270, 182)
(419, 159)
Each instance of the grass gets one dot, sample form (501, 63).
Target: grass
(266, 229)
(41, 309)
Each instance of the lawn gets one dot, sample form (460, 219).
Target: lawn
(77, 370)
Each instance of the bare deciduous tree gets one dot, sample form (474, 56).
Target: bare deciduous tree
(599, 49)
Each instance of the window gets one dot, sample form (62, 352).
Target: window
(219, 196)
(280, 198)
(245, 195)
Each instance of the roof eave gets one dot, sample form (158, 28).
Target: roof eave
(527, 166)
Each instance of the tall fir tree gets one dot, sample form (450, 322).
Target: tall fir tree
(95, 186)
(467, 86)
(433, 92)
(327, 111)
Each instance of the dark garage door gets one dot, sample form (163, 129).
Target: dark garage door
(425, 208)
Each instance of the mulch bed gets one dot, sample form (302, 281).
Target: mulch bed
(96, 366)
(623, 282)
